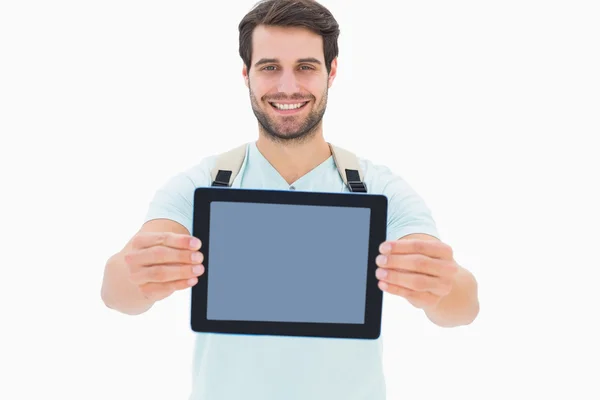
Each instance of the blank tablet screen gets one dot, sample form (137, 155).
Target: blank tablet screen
(287, 263)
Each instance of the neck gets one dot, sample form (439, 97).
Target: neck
(294, 159)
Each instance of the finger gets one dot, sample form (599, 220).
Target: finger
(418, 263)
(145, 240)
(430, 248)
(163, 255)
(415, 282)
(158, 291)
(418, 299)
(166, 273)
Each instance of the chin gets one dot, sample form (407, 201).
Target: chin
(299, 134)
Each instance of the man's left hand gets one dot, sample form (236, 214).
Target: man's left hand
(422, 271)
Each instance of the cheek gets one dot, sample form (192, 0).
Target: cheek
(263, 81)
(316, 84)
(318, 91)
(312, 83)
(259, 88)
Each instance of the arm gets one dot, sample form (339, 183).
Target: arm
(118, 291)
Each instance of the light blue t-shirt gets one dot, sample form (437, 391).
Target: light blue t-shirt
(236, 367)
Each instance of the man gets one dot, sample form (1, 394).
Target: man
(289, 49)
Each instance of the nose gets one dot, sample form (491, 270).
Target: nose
(287, 83)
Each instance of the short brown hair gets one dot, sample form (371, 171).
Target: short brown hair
(290, 13)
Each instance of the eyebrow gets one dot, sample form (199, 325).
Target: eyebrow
(275, 60)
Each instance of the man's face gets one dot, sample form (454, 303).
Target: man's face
(288, 81)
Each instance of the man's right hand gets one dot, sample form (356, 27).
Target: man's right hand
(159, 263)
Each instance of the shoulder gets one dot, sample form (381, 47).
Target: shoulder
(174, 199)
(408, 212)
(380, 178)
(180, 186)
(194, 176)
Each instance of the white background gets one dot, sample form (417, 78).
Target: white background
(490, 110)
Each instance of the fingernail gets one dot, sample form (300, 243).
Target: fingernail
(385, 248)
(194, 243)
(381, 260)
(381, 273)
(198, 269)
(192, 281)
(197, 257)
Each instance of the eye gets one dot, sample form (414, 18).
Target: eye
(267, 68)
(306, 67)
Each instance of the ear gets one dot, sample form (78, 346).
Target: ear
(333, 72)
(245, 75)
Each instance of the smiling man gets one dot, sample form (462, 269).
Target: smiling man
(289, 51)
(289, 70)
(289, 104)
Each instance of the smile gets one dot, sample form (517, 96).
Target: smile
(288, 106)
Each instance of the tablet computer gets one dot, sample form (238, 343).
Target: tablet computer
(288, 263)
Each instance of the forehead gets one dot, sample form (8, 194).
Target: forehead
(286, 43)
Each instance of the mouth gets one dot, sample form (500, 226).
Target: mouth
(288, 108)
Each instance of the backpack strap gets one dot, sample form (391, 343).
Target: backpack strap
(349, 169)
(227, 166)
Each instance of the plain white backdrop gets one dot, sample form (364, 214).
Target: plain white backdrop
(490, 110)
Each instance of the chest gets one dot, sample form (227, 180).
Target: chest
(319, 181)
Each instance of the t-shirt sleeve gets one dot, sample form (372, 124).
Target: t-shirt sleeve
(174, 200)
(407, 211)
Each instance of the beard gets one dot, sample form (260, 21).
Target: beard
(289, 129)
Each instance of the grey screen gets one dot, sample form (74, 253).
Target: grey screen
(287, 263)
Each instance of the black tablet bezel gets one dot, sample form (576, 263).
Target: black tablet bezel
(370, 329)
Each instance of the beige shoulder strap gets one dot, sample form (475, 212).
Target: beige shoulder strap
(228, 165)
(349, 168)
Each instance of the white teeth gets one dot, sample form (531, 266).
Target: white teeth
(288, 106)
